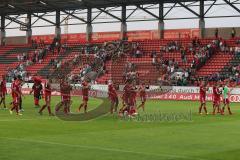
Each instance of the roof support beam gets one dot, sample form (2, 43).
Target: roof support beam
(187, 8)
(35, 15)
(12, 21)
(89, 28)
(161, 25)
(57, 26)
(169, 10)
(16, 21)
(233, 6)
(123, 34)
(2, 22)
(132, 13)
(74, 16)
(2, 31)
(64, 11)
(108, 13)
(201, 19)
(41, 17)
(29, 28)
(209, 8)
(147, 11)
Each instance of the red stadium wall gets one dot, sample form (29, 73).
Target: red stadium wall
(132, 35)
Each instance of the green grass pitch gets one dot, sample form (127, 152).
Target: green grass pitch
(35, 137)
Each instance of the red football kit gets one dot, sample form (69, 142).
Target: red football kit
(112, 94)
(47, 92)
(16, 95)
(142, 93)
(65, 92)
(3, 88)
(85, 91)
(133, 95)
(202, 94)
(37, 89)
(216, 95)
(127, 93)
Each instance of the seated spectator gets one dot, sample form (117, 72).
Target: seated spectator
(138, 54)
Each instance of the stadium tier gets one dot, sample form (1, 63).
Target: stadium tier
(42, 60)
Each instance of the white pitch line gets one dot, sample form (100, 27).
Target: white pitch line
(105, 149)
(13, 120)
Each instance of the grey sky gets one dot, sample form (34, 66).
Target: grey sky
(150, 25)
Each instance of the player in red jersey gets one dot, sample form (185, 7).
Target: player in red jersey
(203, 90)
(113, 97)
(127, 93)
(142, 94)
(123, 109)
(12, 93)
(126, 99)
(16, 94)
(66, 89)
(132, 100)
(3, 91)
(47, 97)
(37, 91)
(85, 93)
(216, 98)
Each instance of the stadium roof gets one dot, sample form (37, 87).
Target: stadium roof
(9, 7)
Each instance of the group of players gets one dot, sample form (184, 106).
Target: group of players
(128, 96)
(218, 91)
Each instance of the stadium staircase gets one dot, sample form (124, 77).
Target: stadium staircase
(219, 62)
(215, 64)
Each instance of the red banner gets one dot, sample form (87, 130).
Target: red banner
(190, 97)
(132, 35)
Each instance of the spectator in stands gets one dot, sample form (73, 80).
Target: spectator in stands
(216, 33)
(59, 63)
(237, 51)
(183, 55)
(233, 33)
(138, 53)
(153, 54)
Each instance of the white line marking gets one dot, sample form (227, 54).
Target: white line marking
(105, 149)
(14, 120)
